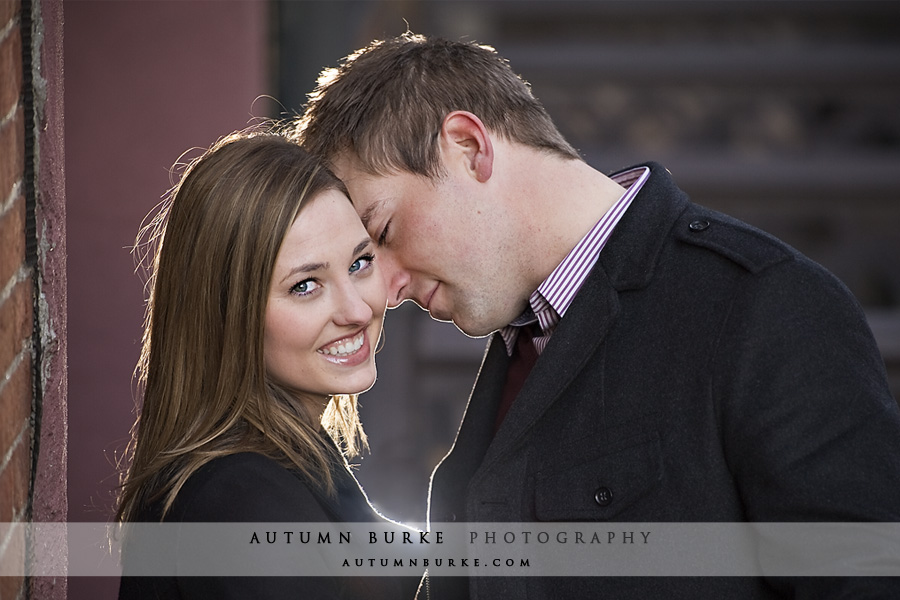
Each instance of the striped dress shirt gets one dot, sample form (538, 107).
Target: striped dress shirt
(550, 301)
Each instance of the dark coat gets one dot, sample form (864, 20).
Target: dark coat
(705, 372)
(252, 488)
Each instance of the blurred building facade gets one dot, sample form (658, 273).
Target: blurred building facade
(785, 114)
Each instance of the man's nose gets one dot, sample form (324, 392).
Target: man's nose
(396, 278)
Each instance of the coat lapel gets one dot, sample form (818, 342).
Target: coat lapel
(571, 347)
(349, 503)
(627, 262)
(474, 435)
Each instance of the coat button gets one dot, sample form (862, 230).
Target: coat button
(698, 225)
(603, 496)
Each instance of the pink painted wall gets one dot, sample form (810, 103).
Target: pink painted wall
(144, 81)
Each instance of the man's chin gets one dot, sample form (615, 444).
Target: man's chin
(472, 330)
(439, 316)
(471, 325)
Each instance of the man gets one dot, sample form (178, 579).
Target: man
(686, 367)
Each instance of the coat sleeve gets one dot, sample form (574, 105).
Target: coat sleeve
(810, 429)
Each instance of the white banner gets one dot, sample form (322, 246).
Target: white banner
(470, 549)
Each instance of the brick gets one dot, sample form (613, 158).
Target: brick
(12, 149)
(12, 560)
(14, 481)
(16, 323)
(15, 405)
(10, 70)
(8, 10)
(12, 240)
(12, 587)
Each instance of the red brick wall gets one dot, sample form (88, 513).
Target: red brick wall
(16, 296)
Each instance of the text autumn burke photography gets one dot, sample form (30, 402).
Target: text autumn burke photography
(484, 551)
(437, 537)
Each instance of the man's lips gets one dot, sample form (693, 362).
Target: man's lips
(427, 303)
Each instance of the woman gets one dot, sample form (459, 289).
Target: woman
(265, 309)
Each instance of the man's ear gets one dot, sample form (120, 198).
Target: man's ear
(463, 134)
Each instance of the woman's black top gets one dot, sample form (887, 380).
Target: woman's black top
(249, 487)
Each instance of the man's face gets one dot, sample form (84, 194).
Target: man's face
(441, 243)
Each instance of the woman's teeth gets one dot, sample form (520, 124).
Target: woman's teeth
(345, 347)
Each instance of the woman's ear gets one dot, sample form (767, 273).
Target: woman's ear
(463, 135)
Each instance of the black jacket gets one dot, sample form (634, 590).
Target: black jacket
(251, 488)
(705, 372)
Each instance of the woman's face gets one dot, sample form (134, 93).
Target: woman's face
(326, 302)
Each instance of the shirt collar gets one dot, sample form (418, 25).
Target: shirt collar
(550, 301)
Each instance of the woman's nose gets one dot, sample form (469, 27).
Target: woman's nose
(352, 308)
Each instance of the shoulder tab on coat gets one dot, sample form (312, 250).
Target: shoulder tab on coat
(745, 245)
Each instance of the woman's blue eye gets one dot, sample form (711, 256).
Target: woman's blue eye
(307, 286)
(361, 263)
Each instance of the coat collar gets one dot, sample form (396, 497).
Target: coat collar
(349, 502)
(627, 262)
(632, 252)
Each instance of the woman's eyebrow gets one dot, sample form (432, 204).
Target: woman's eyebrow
(362, 245)
(307, 268)
(323, 266)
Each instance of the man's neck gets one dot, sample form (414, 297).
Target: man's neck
(563, 200)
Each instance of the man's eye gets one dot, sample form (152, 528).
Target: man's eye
(384, 232)
(305, 287)
(362, 263)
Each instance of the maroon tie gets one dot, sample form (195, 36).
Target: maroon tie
(523, 358)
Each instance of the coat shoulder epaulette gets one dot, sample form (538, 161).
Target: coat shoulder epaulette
(741, 243)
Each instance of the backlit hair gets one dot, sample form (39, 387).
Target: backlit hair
(201, 372)
(387, 103)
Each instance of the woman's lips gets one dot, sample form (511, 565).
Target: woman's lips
(349, 351)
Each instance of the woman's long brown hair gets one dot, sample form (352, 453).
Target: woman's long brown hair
(201, 373)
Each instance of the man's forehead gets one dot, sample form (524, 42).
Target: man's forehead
(367, 211)
(345, 165)
(366, 197)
